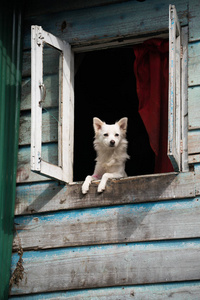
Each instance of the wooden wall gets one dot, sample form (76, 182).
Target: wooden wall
(140, 238)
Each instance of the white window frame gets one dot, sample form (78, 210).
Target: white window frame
(177, 109)
(64, 170)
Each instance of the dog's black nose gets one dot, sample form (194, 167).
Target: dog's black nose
(112, 143)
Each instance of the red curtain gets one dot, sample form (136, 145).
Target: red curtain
(151, 71)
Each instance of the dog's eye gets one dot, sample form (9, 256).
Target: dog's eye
(116, 134)
(105, 134)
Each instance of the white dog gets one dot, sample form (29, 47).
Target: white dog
(111, 146)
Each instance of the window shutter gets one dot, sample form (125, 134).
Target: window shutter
(175, 107)
(64, 169)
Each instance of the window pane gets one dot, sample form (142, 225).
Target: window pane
(52, 74)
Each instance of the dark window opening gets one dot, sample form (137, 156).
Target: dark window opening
(105, 87)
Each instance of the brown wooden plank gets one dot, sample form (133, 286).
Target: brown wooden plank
(194, 142)
(112, 265)
(43, 197)
(119, 224)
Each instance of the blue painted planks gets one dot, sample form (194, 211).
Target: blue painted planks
(110, 265)
(176, 291)
(115, 21)
(117, 224)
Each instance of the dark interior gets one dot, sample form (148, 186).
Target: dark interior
(105, 87)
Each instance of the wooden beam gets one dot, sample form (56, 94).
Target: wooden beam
(41, 197)
(99, 24)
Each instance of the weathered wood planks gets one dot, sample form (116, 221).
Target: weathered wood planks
(49, 127)
(176, 291)
(194, 142)
(194, 20)
(118, 224)
(24, 173)
(51, 99)
(194, 107)
(112, 265)
(194, 63)
(96, 25)
(41, 197)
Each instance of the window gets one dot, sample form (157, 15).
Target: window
(177, 124)
(63, 168)
(62, 56)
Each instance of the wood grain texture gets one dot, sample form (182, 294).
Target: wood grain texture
(172, 291)
(119, 224)
(112, 265)
(194, 17)
(194, 158)
(38, 7)
(194, 107)
(97, 25)
(194, 63)
(41, 197)
(194, 142)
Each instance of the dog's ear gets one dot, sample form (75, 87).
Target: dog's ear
(123, 123)
(97, 123)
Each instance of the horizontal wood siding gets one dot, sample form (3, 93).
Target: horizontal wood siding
(118, 224)
(112, 265)
(172, 291)
(107, 22)
(194, 82)
(140, 238)
(42, 197)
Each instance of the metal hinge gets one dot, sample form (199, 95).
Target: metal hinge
(181, 146)
(181, 54)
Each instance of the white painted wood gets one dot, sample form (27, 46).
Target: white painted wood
(64, 170)
(184, 100)
(36, 109)
(174, 110)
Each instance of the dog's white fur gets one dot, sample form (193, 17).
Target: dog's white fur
(111, 146)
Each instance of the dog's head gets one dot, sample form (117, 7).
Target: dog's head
(110, 135)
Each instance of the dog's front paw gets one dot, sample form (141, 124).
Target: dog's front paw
(101, 187)
(85, 188)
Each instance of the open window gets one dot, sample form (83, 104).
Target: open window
(62, 167)
(177, 110)
(50, 53)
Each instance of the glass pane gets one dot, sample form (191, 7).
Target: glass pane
(52, 74)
